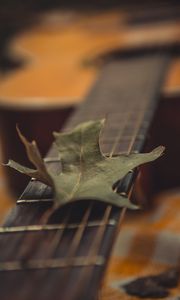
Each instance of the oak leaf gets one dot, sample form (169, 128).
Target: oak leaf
(86, 171)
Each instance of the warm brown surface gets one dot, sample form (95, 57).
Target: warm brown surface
(6, 200)
(56, 51)
(172, 83)
(153, 247)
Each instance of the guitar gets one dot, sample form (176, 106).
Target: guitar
(93, 40)
(68, 256)
(81, 236)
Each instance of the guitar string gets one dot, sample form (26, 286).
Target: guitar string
(101, 230)
(79, 233)
(59, 234)
(99, 236)
(116, 141)
(82, 273)
(82, 226)
(74, 244)
(134, 136)
(121, 218)
(56, 240)
(78, 238)
(100, 233)
(128, 152)
(96, 243)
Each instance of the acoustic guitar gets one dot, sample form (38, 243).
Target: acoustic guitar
(67, 257)
(69, 254)
(50, 65)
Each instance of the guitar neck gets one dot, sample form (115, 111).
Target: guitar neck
(66, 258)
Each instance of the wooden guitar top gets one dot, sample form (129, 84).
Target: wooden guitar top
(58, 54)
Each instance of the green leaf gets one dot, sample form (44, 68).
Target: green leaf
(86, 172)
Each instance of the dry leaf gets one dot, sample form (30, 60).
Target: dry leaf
(86, 172)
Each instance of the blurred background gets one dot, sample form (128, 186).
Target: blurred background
(50, 55)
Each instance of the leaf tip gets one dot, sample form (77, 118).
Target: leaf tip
(159, 151)
(5, 164)
(18, 130)
(133, 206)
(21, 136)
(103, 121)
(55, 134)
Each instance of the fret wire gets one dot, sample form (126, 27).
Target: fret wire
(52, 263)
(50, 227)
(33, 200)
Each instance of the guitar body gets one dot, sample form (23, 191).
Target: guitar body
(64, 48)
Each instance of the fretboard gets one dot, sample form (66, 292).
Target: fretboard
(123, 95)
(66, 258)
